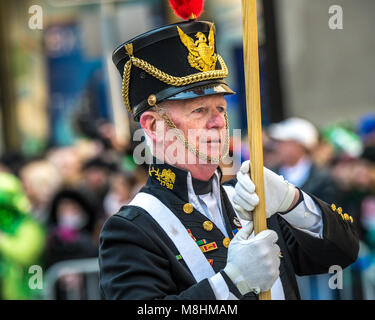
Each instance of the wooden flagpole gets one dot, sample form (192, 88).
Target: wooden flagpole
(253, 110)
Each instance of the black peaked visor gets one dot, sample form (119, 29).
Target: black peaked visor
(194, 90)
(218, 88)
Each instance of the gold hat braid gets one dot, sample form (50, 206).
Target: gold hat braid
(164, 77)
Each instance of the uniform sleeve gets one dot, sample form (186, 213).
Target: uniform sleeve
(312, 255)
(306, 216)
(133, 267)
(225, 289)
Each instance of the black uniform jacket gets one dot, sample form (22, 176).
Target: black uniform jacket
(138, 260)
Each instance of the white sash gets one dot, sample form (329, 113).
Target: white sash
(188, 249)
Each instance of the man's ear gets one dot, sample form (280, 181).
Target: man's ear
(149, 123)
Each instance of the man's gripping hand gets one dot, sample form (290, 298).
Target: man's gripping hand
(279, 193)
(253, 264)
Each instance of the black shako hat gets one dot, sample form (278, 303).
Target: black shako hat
(174, 62)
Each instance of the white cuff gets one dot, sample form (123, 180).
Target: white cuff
(288, 200)
(307, 217)
(220, 288)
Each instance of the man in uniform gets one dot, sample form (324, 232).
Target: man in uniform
(186, 235)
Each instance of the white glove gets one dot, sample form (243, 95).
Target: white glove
(279, 193)
(253, 264)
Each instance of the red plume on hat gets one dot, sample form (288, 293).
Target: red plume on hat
(187, 9)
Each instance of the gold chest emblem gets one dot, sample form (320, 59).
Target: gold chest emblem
(166, 177)
(201, 56)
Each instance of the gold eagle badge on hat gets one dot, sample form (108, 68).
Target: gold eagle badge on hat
(201, 56)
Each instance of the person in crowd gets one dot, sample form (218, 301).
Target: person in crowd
(68, 162)
(96, 175)
(70, 237)
(41, 180)
(293, 141)
(71, 223)
(21, 241)
(120, 192)
(356, 177)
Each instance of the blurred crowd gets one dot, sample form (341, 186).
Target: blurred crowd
(53, 206)
(67, 193)
(337, 164)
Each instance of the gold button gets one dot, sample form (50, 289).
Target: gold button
(188, 208)
(208, 225)
(351, 219)
(346, 216)
(151, 100)
(339, 210)
(333, 207)
(226, 242)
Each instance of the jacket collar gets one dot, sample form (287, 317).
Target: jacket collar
(173, 179)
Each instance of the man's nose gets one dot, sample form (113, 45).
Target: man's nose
(216, 120)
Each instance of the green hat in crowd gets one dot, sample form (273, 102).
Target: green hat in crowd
(13, 202)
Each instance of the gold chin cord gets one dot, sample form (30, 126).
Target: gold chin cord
(180, 136)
